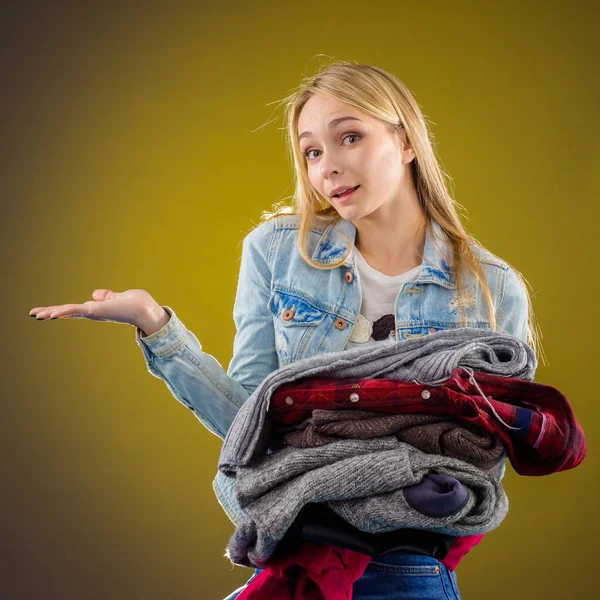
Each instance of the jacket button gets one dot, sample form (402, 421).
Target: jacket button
(288, 314)
(354, 397)
(289, 400)
(340, 323)
(425, 394)
(348, 277)
(432, 330)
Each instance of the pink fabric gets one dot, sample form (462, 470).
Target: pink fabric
(312, 572)
(461, 546)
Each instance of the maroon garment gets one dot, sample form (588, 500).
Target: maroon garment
(535, 421)
(309, 571)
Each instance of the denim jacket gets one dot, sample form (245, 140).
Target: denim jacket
(285, 310)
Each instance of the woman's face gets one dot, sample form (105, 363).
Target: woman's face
(352, 152)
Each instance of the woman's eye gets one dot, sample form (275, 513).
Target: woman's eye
(356, 135)
(308, 155)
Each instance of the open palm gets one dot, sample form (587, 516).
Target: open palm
(117, 307)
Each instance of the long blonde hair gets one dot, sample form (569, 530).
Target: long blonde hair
(384, 97)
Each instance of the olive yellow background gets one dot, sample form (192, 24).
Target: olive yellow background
(137, 152)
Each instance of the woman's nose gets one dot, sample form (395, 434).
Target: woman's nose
(328, 166)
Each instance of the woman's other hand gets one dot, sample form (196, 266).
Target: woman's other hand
(131, 306)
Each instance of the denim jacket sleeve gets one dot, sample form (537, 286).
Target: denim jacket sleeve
(512, 310)
(254, 352)
(174, 354)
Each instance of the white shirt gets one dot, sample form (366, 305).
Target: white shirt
(379, 294)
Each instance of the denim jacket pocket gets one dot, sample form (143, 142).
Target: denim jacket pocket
(296, 320)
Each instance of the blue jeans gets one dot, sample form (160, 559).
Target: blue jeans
(398, 576)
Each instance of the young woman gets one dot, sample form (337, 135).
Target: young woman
(372, 250)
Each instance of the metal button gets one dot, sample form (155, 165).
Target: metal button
(289, 400)
(287, 315)
(340, 323)
(354, 397)
(348, 277)
(425, 394)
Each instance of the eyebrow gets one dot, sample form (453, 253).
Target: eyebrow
(332, 124)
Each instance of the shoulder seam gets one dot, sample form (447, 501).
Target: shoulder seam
(285, 222)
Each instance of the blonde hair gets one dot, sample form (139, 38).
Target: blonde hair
(384, 97)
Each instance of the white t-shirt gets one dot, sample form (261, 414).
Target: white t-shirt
(379, 294)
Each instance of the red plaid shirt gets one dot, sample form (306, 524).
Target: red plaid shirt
(540, 430)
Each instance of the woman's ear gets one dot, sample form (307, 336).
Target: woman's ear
(408, 153)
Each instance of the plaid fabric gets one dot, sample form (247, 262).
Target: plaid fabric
(535, 421)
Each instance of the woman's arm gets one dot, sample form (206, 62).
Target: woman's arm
(512, 309)
(254, 353)
(174, 354)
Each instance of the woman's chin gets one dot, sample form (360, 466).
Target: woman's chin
(350, 212)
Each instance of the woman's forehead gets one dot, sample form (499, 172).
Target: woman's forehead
(319, 111)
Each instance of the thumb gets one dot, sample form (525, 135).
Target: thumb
(102, 294)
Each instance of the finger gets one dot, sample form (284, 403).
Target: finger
(43, 312)
(70, 311)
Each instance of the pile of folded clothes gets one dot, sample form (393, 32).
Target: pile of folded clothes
(344, 456)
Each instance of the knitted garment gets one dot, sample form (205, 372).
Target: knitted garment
(363, 481)
(429, 359)
(433, 434)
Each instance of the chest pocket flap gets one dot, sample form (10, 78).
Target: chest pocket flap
(291, 310)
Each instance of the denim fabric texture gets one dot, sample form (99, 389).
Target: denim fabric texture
(407, 576)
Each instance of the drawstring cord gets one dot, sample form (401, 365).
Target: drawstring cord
(472, 379)
(470, 371)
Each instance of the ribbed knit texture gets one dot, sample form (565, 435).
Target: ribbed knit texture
(429, 359)
(433, 434)
(363, 482)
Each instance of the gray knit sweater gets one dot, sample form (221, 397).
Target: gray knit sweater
(362, 481)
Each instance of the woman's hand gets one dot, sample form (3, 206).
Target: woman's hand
(129, 307)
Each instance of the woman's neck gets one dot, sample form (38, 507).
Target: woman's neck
(392, 246)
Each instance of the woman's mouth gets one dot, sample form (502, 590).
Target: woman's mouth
(347, 195)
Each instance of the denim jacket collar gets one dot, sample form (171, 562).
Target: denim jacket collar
(435, 268)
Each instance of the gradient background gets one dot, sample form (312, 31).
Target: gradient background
(133, 157)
